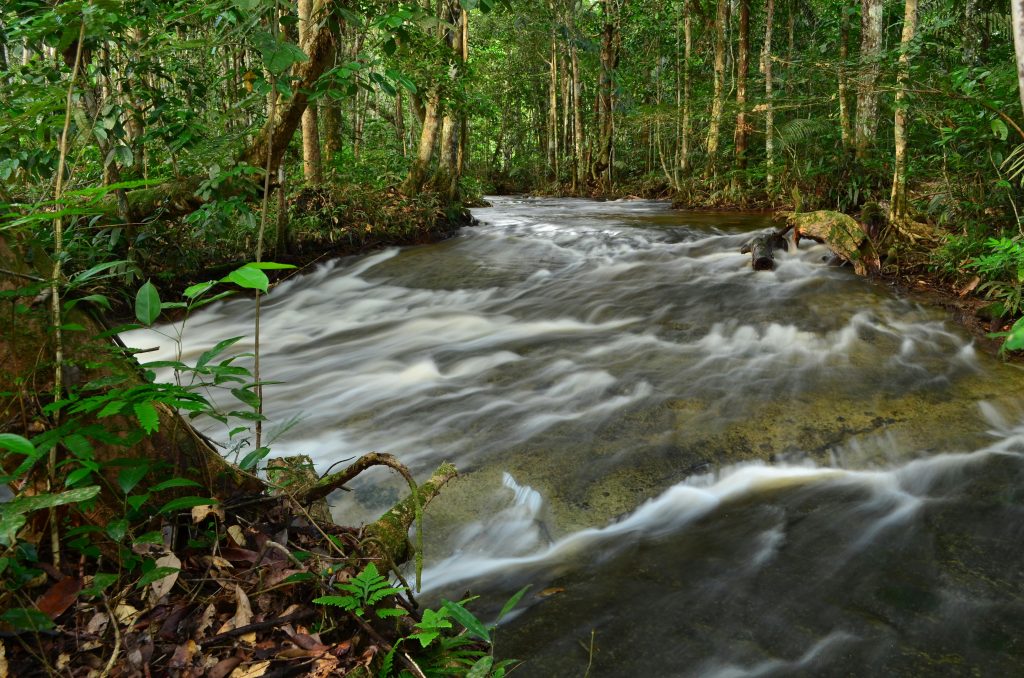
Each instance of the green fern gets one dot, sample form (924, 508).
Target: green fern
(364, 591)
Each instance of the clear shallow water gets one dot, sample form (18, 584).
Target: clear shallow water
(729, 473)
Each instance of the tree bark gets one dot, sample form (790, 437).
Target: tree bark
(684, 148)
(312, 167)
(898, 201)
(718, 98)
(867, 90)
(743, 65)
(610, 48)
(844, 108)
(414, 181)
(769, 110)
(1017, 15)
(579, 168)
(273, 139)
(552, 150)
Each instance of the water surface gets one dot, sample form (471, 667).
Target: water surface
(700, 469)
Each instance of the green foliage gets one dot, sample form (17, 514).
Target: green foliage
(363, 592)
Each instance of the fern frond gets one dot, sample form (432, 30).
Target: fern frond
(344, 602)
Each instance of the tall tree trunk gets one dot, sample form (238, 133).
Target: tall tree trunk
(579, 168)
(684, 148)
(312, 167)
(769, 106)
(844, 53)
(718, 100)
(867, 90)
(743, 65)
(610, 45)
(400, 123)
(552, 150)
(1017, 16)
(898, 203)
(447, 179)
(413, 183)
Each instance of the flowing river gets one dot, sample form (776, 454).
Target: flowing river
(699, 469)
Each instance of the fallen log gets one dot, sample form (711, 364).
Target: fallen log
(840, 232)
(762, 249)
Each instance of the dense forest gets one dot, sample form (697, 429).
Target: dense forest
(158, 155)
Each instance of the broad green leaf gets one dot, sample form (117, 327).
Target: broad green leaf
(100, 582)
(130, 476)
(182, 503)
(248, 278)
(17, 444)
(45, 501)
(147, 304)
(155, 574)
(513, 601)
(268, 265)
(216, 350)
(10, 523)
(194, 291)
(116, 529)
(147, 415)
(27, 619)
(467, 619)
(481, 668)
(250, 460)
(174, 482)
(999, 129)
(247, 397)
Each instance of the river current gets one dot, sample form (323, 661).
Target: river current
(699, 470)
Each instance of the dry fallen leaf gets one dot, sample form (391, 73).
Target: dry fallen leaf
(548, 592)
(323, 667)
(235, 532)
(59, 597)
(199, 513)
(4, 669)
(98, 623)
(183, 655)
(205, 621)
(224, 667)
(161, 587)
(252, 671)
(125, 614)
(243, 616)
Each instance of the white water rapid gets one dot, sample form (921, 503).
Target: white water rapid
(705, 470)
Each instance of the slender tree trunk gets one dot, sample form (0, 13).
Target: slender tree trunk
(791, 50)
(844, 107)
(579, 168)
(743, 65)
(400, 122)
(447, 178)
(1017, 16)
(769, 110)
(553, 111)
(898, 203)
(718, 100)
(684, 149)
(867, 90)
(312, 167)
(428, 139)
(610, 43)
